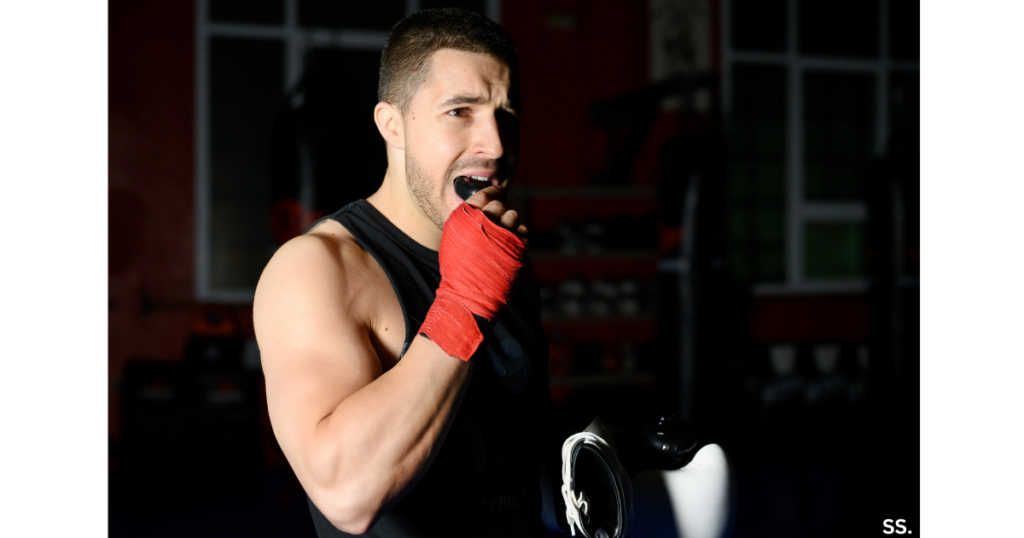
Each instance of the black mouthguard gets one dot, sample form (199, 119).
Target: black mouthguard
(465, 188)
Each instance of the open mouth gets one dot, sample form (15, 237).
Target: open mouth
(466, 186)
(481, 180)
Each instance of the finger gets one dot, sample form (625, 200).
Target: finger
(522, 231)
(510, 219)
(494, 210)
(484, 196)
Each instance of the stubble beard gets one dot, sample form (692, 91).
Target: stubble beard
(430, 202)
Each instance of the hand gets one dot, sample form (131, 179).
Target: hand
(489, 200)
(480, 255)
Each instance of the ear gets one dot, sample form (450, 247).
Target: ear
(389, 123)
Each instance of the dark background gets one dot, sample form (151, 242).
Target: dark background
(658, 194)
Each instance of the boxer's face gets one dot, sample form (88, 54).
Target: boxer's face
(460, 122)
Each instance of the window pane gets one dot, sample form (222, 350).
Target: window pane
(376, 15)
(259, 11)
(833, 250)
(475, 5)
(246, 79)
(757, 173)
(758, 25)
(905, 29)
(839, 134)
(839, 28)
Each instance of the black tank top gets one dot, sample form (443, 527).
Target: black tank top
(484, 480)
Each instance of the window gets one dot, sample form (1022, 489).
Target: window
(808, 91)
(249, 57)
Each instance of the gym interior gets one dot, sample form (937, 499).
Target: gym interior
(723, 198)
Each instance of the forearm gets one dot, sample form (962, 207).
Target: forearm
(380, 439)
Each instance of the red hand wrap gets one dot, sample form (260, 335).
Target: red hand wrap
(479, 262)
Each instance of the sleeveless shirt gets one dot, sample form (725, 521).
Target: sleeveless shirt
(484, 480)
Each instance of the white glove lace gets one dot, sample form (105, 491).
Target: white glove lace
(573, 504)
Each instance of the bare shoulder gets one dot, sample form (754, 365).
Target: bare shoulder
(329, 240)
(313, 313)
(323, 266)
(318, 276)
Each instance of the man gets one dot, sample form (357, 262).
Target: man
(405, 363)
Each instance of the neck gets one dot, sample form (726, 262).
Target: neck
(396, 203)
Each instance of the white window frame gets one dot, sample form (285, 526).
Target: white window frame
(297, 40)
(800, 211)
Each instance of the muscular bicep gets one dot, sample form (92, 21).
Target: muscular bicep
(315, 347)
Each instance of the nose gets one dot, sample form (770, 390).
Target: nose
(487, 141)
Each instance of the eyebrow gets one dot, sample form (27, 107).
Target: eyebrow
(463, 100)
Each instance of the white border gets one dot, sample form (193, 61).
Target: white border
(972, 292)
(54, 150)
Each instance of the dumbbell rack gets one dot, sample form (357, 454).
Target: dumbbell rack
(544, 208)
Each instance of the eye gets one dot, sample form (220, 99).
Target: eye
(459, 112)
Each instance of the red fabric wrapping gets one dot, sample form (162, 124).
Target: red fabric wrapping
(479, 263)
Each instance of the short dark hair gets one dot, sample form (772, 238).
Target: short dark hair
(412, 41)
